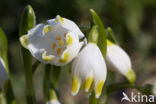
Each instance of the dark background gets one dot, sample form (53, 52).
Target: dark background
(133, 21)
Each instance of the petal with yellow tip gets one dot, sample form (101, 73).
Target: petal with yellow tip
(76, 82)
(46, 29)
(65, 58)
(47, 58)
(59, 19)
(130, 75)
(98, 88)
(88, 83)
(69, 39)
(24, 41)
(109, 42)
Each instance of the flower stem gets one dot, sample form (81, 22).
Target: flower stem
(93, 99)
(146, 89)
(55, 74)
(35, 66)
(46, 82)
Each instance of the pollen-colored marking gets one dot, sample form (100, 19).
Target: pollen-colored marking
(88, 83)
(65, 58)
(61, 43)
(24, 41)
(59, 51)
(59, 18)
(75, 85)
(53, 45)
(69, 40)
(130, 75)
(99, 88)
(45, 57)
(47, 29)
(109, 42)
(58, 38)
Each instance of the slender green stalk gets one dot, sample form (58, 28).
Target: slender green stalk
(46, 81)
(55, 75)
(92, 99)
(35, 66)
(27, 22)
(146, 89)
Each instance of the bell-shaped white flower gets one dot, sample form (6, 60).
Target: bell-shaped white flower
(53, 98)
(117, 59)
(56, 43)
(3, 73)
(88, 67)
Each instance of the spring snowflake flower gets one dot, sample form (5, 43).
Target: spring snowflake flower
(118, 59)
(88, 67)
(3, 73)
(55, 43)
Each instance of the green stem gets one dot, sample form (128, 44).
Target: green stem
(35, 66)
(55, 75)
(46, 82)
(9, 92)
(92, 99)
(146, 89)
(28, 74)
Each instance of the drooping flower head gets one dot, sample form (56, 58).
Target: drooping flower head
(55, 43)
(89, 69)
(117, 59)
(3, 73)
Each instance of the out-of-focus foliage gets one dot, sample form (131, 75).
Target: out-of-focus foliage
(133, 22)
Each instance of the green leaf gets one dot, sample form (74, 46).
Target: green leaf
(110, 35)
(4, 48)
(93, 35)
(3, 43)
(27, 22)
(101, 30)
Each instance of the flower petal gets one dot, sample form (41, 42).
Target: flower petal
(46, 29)
(117, 59)
(76, 83)
(66, 24)
(88, 82)
(24, 41)
(46, 57)
(98, 88)
(130, 75)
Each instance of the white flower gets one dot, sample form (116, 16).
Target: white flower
(56, 43)
(3, 73)
(117, 59)
(88, 67)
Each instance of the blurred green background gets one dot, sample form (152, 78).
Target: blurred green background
(133, 21)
